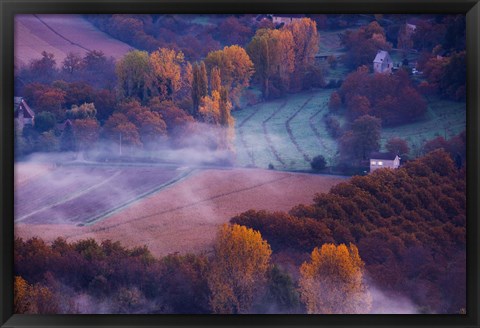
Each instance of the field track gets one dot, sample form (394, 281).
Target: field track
(185, 216)
(289, 130)
(267, 136)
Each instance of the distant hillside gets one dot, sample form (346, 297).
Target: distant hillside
(60, 34)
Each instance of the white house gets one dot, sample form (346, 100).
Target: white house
(23, 114)
(284, 19)
(382, 62)
(383, 160)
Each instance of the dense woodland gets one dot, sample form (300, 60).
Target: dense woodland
(405, 229)
(408, 224)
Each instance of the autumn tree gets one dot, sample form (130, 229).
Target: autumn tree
(446, 75)
(362, 44)
(332, 281)
(87, 131)
(236, 69)
(199, 86)
(272, 52)
(209, 109)
(46, 98)
(82, 112)
(390, 97)
(176, 119)
(227, 122)
(233, 31)
(33, 299)
(121, 131)
(335, 101)
(238, 269)
(45, 68)
(362, 139)
(150, 125)
(215, 80)
(72, 63)
(167, 69)
(134, 75)
(306, 44)
(397, 146)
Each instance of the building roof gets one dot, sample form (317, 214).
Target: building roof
(386, 156)
(289, 15)
(380, 57)
(20, 102)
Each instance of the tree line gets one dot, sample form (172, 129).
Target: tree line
(238, 277)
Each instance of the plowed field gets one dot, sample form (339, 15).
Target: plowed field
(184, 216)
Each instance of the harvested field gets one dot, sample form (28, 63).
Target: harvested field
(25, 173)
(60, 34)
(83, 194)
(185, 216)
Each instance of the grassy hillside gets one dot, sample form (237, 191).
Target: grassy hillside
(60, 35)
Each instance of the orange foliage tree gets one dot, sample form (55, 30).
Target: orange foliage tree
(34, 299)
(238, 270)
(236, 69)
(332, 281)
(166, 65)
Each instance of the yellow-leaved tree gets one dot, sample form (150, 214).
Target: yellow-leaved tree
(33, 299)
(332, 281)
(238, 271)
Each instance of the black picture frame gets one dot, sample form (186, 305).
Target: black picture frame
(9, 8)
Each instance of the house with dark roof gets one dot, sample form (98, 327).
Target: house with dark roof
(382, 62)
(22, 113)
(383, 160)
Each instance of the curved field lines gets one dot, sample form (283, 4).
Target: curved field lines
(269, 137)
(59, 35)
(185, 216)
(285, 133)
(79, 194)
(290, 133)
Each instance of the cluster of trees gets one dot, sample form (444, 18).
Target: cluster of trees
(73, 68)
(389, 97)
(409, 225)
(445, 75)
(362, 44)
(159, 94)
(239, 277)
(284, 58)
(194, 36)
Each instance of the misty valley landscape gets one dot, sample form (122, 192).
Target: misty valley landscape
(240, 164)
